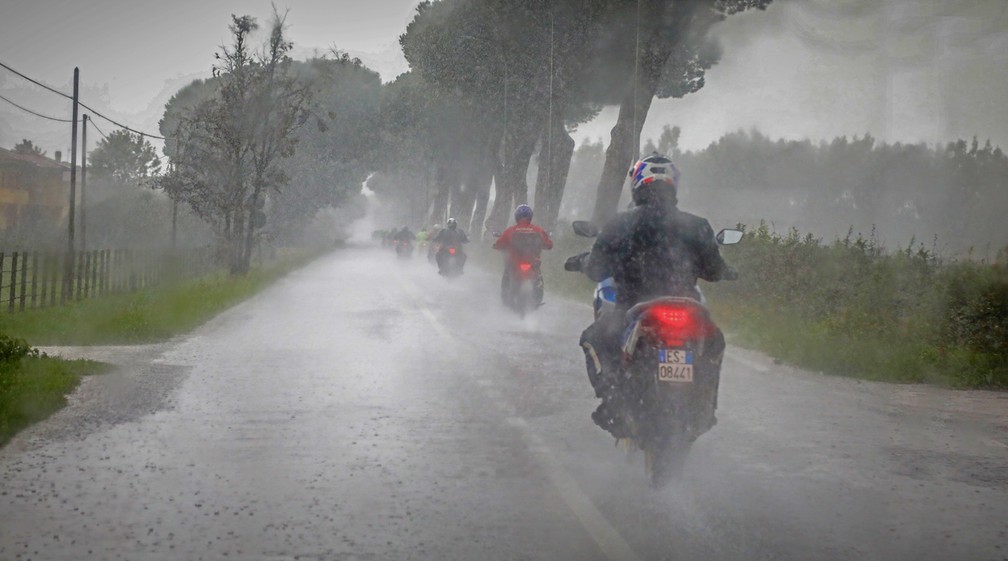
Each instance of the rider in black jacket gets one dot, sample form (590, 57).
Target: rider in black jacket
(651, 251)
(451, 236)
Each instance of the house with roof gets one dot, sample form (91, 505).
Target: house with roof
(34, 190)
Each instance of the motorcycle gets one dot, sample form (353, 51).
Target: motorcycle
(666, 387)
(451, 260)
(404, 249)
(525, 286)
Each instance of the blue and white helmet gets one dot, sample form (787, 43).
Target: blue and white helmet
(652, 172)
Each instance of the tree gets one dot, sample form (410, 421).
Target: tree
(231, 144)
(124, 158)
(26, 147)
(673, 57)
(338, 147)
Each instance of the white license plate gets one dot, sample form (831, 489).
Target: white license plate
(675, 365)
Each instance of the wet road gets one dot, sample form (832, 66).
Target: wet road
(363, 408)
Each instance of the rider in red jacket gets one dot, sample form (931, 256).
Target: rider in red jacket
(523, 242)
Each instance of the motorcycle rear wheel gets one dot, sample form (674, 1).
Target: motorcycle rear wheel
(665, 460)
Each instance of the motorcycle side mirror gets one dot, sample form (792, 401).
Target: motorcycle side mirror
(573, 263)
(585, 228)
(729, 236)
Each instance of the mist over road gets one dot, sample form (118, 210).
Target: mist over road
(366, 408)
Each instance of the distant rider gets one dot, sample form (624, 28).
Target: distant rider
(433, 247)
(523, 242)
(651, 251)
(451, 236)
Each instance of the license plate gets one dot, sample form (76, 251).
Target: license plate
(675, 365)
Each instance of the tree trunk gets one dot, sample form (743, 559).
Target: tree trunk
(624, 140)
(514, 190)
(496, 171)
(658, 45)
(551, 180)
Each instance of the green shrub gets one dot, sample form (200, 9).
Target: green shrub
(852, 308)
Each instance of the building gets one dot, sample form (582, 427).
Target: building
(34, 190)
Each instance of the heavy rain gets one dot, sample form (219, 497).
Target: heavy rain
(372, 280)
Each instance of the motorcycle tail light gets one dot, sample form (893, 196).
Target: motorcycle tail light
(525, 267)
(451, 250)
(677, 324)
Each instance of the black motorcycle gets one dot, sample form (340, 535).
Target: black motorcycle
(451, 260)
(666, 384)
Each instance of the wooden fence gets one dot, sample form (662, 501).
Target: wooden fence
(39, 279)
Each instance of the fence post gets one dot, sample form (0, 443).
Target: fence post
(12, 294)
(24, 280)
(94, 272)
(79, 255)
(34, 281)
(56, 281)
(101, 272)
(87, 274)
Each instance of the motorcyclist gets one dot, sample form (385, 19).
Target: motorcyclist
(402, 239)
(451, 236)
(523, 241)
(432, 246)
(403, 234)
(652, 250)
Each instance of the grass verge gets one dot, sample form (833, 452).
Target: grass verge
(850, 308)
(149, 315)
(34, 386)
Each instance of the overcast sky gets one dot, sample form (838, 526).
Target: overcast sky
(906, 70)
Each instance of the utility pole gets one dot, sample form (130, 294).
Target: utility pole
(83, 184)
(68, 272)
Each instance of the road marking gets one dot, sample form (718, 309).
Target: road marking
(602, 532)
(607, 537)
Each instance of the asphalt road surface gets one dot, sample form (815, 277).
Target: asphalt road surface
(365, 408)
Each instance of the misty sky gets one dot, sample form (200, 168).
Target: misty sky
(906, 70)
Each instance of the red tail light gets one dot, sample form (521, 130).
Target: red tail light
(451, 250)
(676, 324)
(525, 267)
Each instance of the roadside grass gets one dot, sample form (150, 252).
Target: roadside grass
(852, 308)
(34, 386)
(149, 315)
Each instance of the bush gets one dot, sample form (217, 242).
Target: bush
(13, 350)
(852, 308)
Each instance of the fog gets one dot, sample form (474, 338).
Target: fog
(838, 394)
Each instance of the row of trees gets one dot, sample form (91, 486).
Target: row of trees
(491, 83)
(956, 192)
(498, 80)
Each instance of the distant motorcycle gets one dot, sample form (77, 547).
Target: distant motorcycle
(451, 260)
(404, 249)
(525, 286)
(668, 385)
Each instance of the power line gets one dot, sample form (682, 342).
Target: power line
(34, 113)
(84, 105)
(118, 124)
(99, 130)
(36, 82)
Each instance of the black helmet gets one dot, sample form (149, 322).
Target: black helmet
(452, 224)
